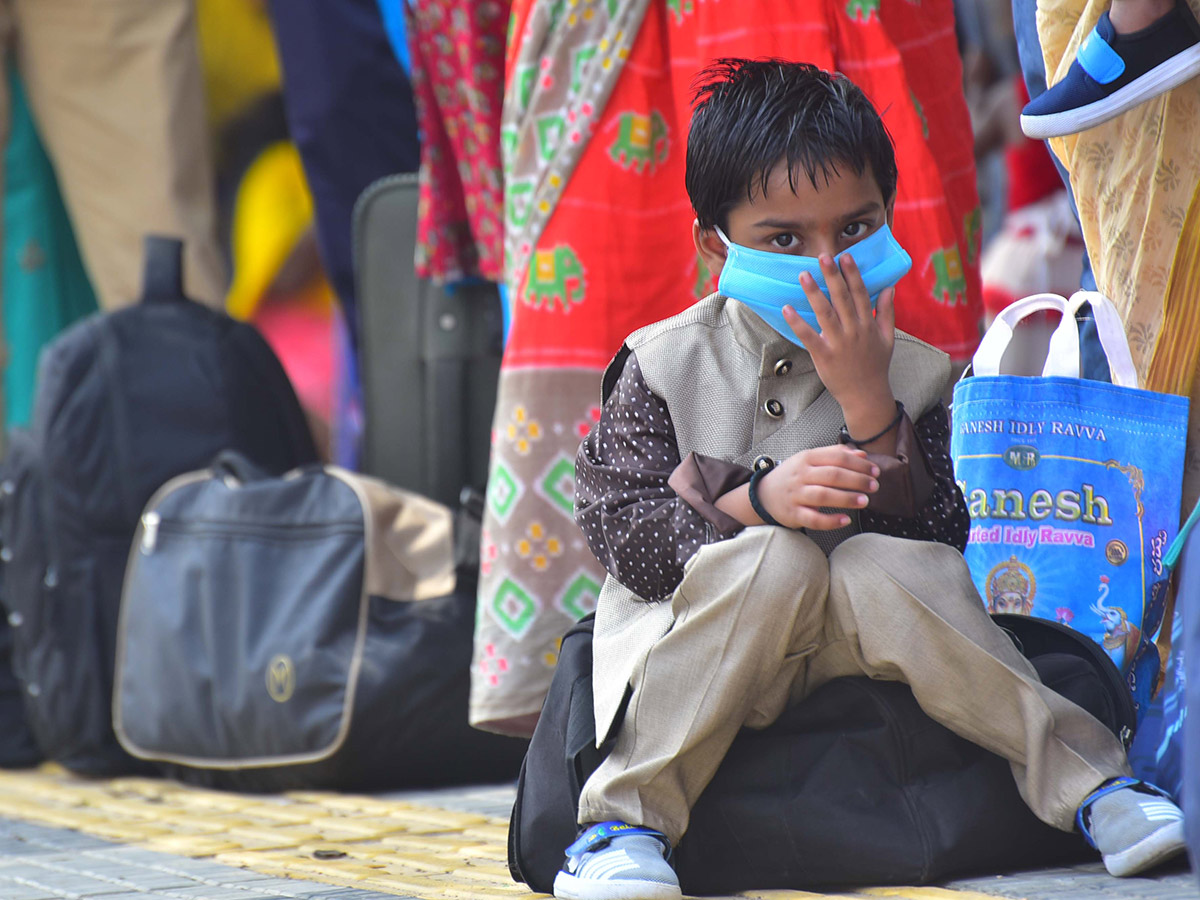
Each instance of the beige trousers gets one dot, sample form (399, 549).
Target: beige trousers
(117, 93)
(763, 619)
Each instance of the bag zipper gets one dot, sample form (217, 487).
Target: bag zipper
(153, 524)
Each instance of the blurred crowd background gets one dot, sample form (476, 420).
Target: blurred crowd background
(548, 136)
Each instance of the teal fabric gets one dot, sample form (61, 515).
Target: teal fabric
(45, 287)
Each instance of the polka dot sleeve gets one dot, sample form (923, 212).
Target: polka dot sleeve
(634, 522)
(943, 516)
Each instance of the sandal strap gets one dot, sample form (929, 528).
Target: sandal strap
(1098, 59)
(1083, 817)
(601, 835)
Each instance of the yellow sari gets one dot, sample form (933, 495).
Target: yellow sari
(1136, 179)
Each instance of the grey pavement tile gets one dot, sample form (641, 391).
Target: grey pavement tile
(120, 870)
(139, 864)
(76, 875)
(221, 892)
(57, 839)
(285, 887)
(1089, 882)
(16, 848)
(12, 891)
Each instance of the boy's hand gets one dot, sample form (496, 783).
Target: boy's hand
(853, 350)
(838, 476)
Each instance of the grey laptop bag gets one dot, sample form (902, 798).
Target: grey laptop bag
(310, 630)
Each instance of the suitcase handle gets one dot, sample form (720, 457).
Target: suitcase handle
(162, 277)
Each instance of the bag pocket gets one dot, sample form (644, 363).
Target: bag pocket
(239, 642)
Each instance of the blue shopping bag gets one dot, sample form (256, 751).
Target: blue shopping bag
(1073, 486)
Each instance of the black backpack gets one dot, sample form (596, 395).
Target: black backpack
(125, 401)
(854, 785)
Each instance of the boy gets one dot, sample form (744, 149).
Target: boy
(770, 489)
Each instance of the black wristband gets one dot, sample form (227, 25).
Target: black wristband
(755, 503)
(845, 435)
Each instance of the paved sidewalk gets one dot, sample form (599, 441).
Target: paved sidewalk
(145, 839)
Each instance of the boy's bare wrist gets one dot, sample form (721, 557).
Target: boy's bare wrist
(875, 408)
(870, 425)
(736, 504)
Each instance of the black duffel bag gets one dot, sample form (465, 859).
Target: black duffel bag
(854, 785)
(304, 631)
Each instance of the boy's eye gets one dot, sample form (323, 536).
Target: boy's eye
(782, 241)
(854, 229)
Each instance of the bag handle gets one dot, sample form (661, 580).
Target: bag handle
(1063, 356)
(162, 275)
(999, 335)
(235, 468)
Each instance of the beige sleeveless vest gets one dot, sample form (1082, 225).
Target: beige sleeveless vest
(735, 390)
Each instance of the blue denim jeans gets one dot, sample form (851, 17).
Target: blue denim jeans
(1093, 364)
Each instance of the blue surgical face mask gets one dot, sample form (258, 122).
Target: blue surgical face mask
(766, 282)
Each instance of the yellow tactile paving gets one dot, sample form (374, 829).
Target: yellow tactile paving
(364, 842)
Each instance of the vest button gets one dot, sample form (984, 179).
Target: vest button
(763, 464)
(773, 408)
(783, 367)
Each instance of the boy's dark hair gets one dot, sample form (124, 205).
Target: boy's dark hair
(749, 114)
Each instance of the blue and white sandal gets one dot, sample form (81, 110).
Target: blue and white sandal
(1135, 825)
(1115, 72)
(615, 861)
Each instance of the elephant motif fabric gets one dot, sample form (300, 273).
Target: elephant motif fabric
(597, 237)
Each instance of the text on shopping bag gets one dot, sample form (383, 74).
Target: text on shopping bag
(1071, 509)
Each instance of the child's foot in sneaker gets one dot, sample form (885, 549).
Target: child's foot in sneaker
(1114, 72)
(615, 861)
(1134, 825)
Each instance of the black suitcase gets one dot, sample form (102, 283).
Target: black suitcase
(429, 356)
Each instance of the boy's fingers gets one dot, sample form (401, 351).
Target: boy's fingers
(826, 317)
(807, 517)
(802, 329)
(885, 314)
(840, 298)
(838, 478)
(843, 457)
(832, 498)
(816, 496)
(860, 300)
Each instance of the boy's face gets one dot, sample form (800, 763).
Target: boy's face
(806, 222)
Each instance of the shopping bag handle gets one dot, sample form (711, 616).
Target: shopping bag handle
(999, 335)
(1063, 356)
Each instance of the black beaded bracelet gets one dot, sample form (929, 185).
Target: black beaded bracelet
(845, 435)
(755, 503)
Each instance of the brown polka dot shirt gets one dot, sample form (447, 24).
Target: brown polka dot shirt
(643, 531)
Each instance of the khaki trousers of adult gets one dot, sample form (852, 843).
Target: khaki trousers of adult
(763, 619)
(116, 90)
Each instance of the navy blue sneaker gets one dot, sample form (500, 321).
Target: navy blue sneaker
(1115, 72)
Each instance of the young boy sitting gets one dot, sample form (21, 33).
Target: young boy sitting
(770, 489)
